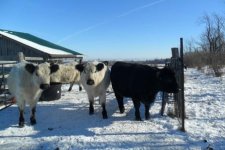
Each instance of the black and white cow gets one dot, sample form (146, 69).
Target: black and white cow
(95, 78)
(141, 83)
(67, 73)
(26, 82)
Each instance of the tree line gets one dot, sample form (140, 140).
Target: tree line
(209, 50)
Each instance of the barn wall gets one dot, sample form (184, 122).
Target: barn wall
(9, 49)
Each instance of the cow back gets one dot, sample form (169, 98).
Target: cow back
(134, 80)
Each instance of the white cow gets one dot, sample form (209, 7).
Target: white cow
(26, 81)
(95, 78)
(67, 73)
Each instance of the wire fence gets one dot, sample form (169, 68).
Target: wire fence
(178, 101)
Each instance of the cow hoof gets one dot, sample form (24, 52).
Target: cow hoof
(104, 115)
(91, 112)
(138, 119)
(21, 124)
(122, 110)
(147, 117)
(32, 121)
(80, 88)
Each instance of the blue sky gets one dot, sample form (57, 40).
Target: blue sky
(111, 29)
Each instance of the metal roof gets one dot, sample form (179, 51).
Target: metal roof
(38, 43)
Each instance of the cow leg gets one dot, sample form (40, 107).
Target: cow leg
(32, 118)
(21, 105)
(102, 101)
(80, 87)
(21, 119)
(91, 108)
(71, 86)
(147, 114)
(91, 105)
(104, 112)
(137, 105)
(120, 102)
(164, 101)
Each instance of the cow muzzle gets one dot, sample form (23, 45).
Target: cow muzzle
(44, 86)
(90, 82)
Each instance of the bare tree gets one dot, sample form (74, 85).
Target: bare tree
(213, 42)
(194, 56)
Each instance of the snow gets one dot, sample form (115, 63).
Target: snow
(35, 45)
(66, 124)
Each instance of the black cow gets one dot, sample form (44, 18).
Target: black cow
(141, 83)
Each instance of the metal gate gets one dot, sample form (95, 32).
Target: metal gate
(177, 64)
(5, 67)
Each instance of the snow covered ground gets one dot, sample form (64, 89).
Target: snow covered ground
(66, 124)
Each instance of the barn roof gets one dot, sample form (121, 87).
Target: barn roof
(38, 43)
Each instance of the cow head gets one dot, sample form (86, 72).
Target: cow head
(41, 74)
(92, 72)
(54, 68)
(167, 80)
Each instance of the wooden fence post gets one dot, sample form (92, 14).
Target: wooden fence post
(21, 57)
(175, 52)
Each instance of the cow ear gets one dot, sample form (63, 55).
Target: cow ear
(30, 68)
(106, 63)
(52, 63)
(79, 67)
(100, 66)
(54, 68)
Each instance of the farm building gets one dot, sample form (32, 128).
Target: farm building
(12, 42)
(33, 48)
